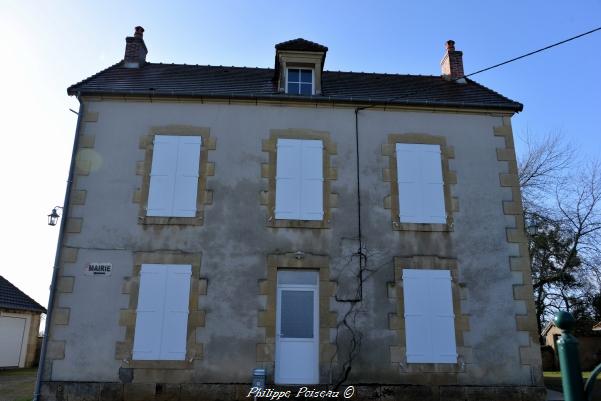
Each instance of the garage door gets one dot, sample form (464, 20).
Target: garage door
(12, 330)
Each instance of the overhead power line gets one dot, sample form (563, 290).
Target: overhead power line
(531, 53)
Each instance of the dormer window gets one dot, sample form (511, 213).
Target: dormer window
(298, 67)
(299, 81)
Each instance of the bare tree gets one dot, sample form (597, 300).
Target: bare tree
(564, 200)
(578, 201)
(544, 161)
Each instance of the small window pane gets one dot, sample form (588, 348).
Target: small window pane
(293, 89)
(296, 315)
(306, 89)
(293, 75)
(307, 76)
(297, 277)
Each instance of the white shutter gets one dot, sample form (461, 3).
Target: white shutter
(162, 312)
(420, 183)
(311, 191)
(408, 175)
(443, 318)
(162, 175)
(288, 179)
(433, 210)
(174, 176)
(149, 314)
(186, 176)
(175, 326)
(429, 318)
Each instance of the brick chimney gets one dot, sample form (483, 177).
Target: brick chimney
(135, 49)
(452, 63)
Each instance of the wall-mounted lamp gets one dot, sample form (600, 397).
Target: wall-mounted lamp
(53, 217)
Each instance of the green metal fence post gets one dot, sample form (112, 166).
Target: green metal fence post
(569, 359)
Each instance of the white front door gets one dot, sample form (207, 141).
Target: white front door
(297, 328)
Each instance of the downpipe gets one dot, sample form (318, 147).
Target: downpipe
(57, 258)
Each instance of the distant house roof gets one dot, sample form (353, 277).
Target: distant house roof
(583, 328)
(13, 298)
(198, 81)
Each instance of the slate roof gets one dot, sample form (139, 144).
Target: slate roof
(13, 298)
(181, 80)
(301, 44)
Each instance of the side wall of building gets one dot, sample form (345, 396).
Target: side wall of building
(238, 249)
(31, 359)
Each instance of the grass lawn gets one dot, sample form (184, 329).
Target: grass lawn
(553, 381)
(17, 384)
(18, 372)
(556, 373)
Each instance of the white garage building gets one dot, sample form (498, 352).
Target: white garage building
(19, 327)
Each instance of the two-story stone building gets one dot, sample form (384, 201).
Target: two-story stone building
(329, 227)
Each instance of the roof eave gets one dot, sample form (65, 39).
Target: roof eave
(511, 107)
(41, 309)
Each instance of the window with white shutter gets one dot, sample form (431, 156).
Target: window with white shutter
(429, 317)
(174, 176)
(162, 312)
(420, 183)
(299, 179)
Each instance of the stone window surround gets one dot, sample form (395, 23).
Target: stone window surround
(267, 316)
(390, 175)
(205, 169)
(196, 316)
(268, 171)
(397, 322)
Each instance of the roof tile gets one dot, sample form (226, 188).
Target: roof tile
(179, 80)
(301, 44)
(13, 298)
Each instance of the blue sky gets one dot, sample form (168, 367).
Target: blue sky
(47, 46)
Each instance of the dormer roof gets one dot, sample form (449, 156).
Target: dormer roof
(300, 44)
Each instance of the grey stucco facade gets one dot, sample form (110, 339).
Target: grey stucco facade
(498, 351)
